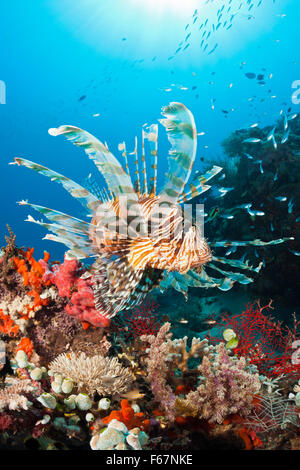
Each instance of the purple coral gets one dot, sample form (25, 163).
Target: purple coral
(158, 369)
(226, 388)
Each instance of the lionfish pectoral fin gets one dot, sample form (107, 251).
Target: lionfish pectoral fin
(256, 242)
(150, 280)
(236, 277)
(87, 199)
(65, 220)
(67, 230)
(181, 282)
(114, 282)
(237, 264)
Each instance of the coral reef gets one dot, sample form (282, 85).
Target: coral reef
(67, 384)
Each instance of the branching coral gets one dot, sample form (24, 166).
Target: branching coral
(158, 369)
(97, 373)
(7, 253)
(142, 320)
(226, 387)
(163, 352)
(20, 303)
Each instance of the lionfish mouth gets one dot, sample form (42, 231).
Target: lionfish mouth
(142, 239)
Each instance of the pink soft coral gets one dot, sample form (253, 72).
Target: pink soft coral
(83, 305)
(66, 277)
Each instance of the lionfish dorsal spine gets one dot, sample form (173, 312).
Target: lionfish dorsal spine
(137, 180)
(153, 143)
(144, 169)
(182, 134)
(122, 146)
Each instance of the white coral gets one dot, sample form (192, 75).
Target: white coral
(97, 373)
(12, 397)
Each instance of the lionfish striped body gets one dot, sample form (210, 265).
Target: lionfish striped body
(140, 238)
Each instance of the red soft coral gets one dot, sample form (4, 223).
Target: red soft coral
(83, 305)
(66, 277)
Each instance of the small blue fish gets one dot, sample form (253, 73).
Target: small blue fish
(224, 191)
(213, 49)
(281, 198)
(285, 137)
(285, 122)
(296, 253)
(290, 206)
(251, 140)
(274, 143)
(245, 206)
(256, 213)
(271, 134)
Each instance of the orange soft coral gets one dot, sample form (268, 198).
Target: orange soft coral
(25, 345)
(32, 272)
(249, 437)
(7, 325)
(127, 416)
(32, 277)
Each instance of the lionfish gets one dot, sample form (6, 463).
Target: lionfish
(130, 259)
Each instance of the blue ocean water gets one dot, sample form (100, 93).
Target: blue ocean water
(109, 67)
